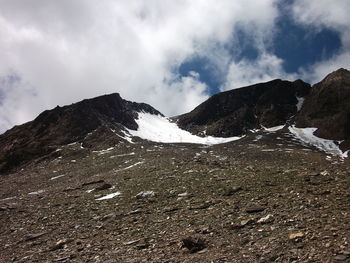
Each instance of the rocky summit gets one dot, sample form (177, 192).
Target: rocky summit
(68, 124)
(237, 111)
(328, 108)
(108, 180)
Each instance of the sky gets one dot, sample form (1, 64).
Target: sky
(172, 54)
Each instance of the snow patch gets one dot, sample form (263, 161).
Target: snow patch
(145, 194)
(125, 136)
(56, 177)
(109, 196)
(103, 151)
(8, 198)
(273, 129)
(126, 154)
(268, 150)
(300, 103)
(37, 192)
(307, 135)
(131, 166)
(254, 130)
(159, 129)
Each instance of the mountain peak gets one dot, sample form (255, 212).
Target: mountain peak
(338, 77)
(234, 112)
(68, 124)
(327, 108)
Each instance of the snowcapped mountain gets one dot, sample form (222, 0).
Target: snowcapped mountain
(103, 121)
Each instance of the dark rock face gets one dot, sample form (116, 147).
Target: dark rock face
(328, 108)
(234, 112)
(63, 125)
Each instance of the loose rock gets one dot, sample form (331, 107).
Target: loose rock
(194, 244)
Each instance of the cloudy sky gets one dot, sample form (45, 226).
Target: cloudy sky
(172, 54)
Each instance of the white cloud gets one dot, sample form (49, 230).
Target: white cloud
(318, 14)
(246, 72)
(69, 50)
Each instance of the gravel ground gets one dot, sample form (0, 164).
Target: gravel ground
(264, 198)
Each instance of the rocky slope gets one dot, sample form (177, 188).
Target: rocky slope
(68, 124)
(234, 112)
(328, 108)
(264, 198)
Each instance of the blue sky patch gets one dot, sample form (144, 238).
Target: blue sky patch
(301, 46)
(208, 72)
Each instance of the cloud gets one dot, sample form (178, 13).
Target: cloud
(318, 14)
(59, 52)
(69, 50)
(246, 72)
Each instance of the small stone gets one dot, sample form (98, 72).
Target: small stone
(132, 242)
(194, 244)
(255, 209)
(325, 173)
(242, 224)
(341, 257)
(93, 182)
(145, 194)
(231, 191)
(170, 209)
(8, 206)
(142, 246)
(265, 220)
(135, 212)
(246, 222)
(34, 236)
(102, 187)
(184, 195)
(107, 217)
(60, 244)
(296, 235)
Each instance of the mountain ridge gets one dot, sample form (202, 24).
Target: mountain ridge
(64, 125)
(96, 122)
(123, 195)
(328, 108)
(234, 112)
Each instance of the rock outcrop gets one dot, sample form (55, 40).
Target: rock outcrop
(234, 112)
(64, 125)
(328, 108)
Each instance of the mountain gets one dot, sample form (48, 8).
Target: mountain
(108, 180)
(234, 112)
(69, 124)
(103, 121)
(328, 108)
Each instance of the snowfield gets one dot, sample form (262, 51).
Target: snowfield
(159, 129)
(307, 135)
